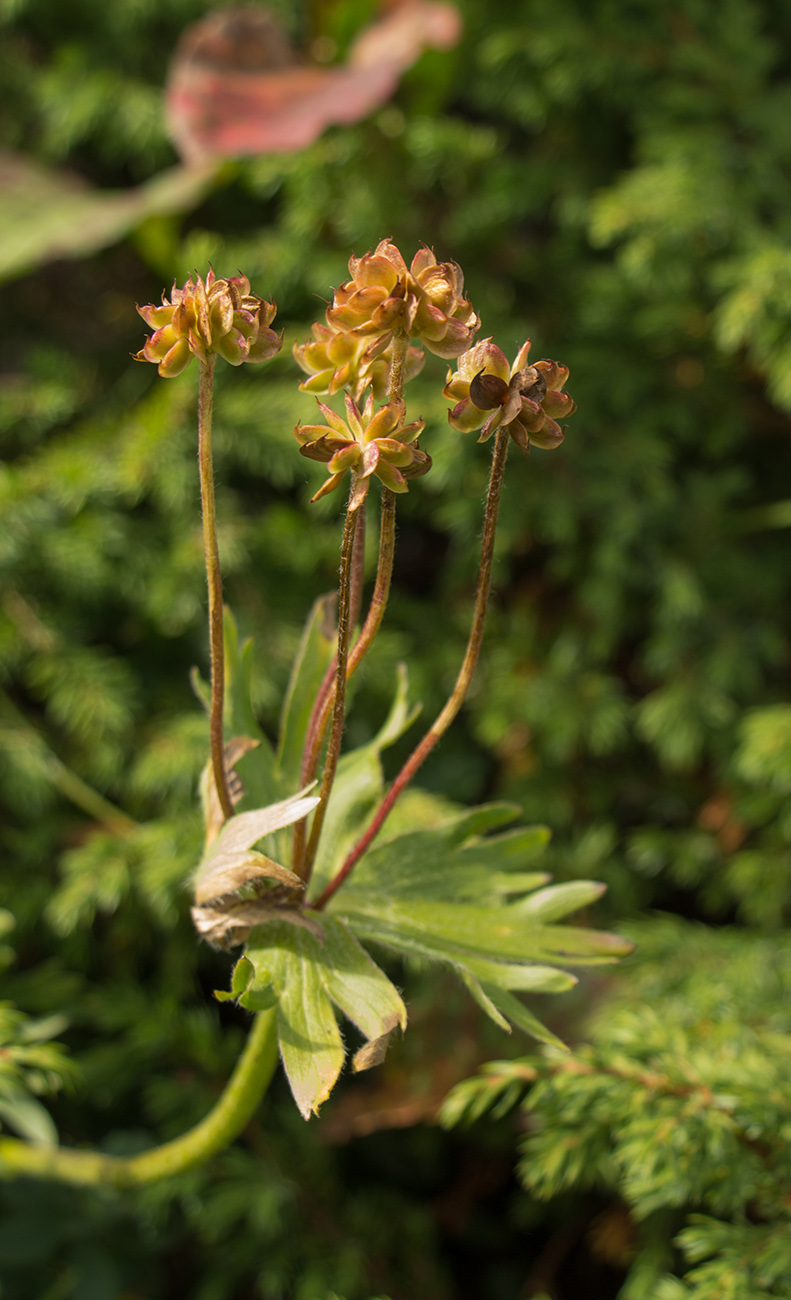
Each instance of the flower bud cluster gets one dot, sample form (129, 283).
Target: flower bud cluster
(368, 444)
(525, 399)
(219, 316)
(383, 299)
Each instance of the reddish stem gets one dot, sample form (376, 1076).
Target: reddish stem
(451, 708)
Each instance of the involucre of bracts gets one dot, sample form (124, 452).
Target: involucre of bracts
(219, 316)
(525, 399)
(366, 443)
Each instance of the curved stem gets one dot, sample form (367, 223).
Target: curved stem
(451, 708)
(234, 1109)
(339, 702)
(214, 580)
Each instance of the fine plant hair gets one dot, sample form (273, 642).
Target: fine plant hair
(303, 866)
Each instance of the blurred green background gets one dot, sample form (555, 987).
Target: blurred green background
(614, 177)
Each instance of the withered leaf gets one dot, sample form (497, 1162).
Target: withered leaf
(228, 872)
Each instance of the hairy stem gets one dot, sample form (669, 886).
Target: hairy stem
(325, 700)
(339, 702)
(453, 704)
(214, 581)
(397, 367)
(225, 1122)
(358, 567)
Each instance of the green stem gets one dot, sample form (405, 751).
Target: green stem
(339, 702)
(85, 797)
(225, 1122)
(214, 581)
(454, 703)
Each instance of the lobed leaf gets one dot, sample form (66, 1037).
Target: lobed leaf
(307, 971)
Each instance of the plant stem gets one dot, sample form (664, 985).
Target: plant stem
(84, 796)
(214, 581)
(358, 567)
(339, 702)
(451, 708)
(324, 703)
(397, 366)
(235, 1107)
(325, 699)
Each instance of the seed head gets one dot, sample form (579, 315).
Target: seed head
(367, 444)
(219, 316)
(526, 399)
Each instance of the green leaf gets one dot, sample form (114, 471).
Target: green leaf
(257, 769)
(310, 666)
(474, 987)
(356, 984)
(310, 1042)
(560, 900)
(457, 930)
(435, 864)
(519, 1015)
(47, 214)
(358, 788)
(523, 979)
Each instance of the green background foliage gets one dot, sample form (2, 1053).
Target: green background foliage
(613, 178)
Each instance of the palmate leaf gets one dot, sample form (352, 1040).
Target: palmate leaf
(306, 973)
(447, 894)
(465, 890)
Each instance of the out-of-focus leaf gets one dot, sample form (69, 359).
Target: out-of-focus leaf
(234, 87)
(28, 1118)
(47, 214)
(523, 979)
(518, 1014)
(312, 661)
(560, 900)
(257, 770)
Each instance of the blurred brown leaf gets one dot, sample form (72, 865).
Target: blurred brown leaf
(236, 87)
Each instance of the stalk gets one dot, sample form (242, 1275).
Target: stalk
(454, 702)
(325, 700)
(214, 582)
(339, 703)
(225, 1121)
